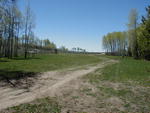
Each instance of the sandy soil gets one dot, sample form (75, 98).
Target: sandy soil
(46, 84)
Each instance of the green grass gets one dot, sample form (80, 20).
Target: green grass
(127, 69)
(140, 99)
(131, 76)
(46, 105)
(111, 92)
(128, 80)
(42, 63)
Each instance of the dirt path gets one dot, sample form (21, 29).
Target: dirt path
(46, 84)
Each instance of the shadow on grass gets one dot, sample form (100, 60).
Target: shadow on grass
(17, 79)
(4, 60)
(21, 58)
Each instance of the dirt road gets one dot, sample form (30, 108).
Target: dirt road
(46, 84)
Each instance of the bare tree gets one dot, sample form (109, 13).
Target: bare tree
(28, 27)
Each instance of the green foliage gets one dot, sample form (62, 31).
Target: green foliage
(132, 33)
(135, 42)
(115, 42)
(133, 17)
(47, 44)
(144, 36)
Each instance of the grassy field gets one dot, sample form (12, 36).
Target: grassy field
(42, 63)
(120, 87)
(127, 83)
(127, 69)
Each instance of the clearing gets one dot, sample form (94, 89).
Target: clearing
(94, 84)
(43, 85)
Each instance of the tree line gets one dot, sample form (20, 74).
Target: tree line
(78, 49)
(134, 42)
(16, 30)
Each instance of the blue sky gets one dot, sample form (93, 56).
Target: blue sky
(81, 23)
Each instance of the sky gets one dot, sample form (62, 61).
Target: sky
(81, 23)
